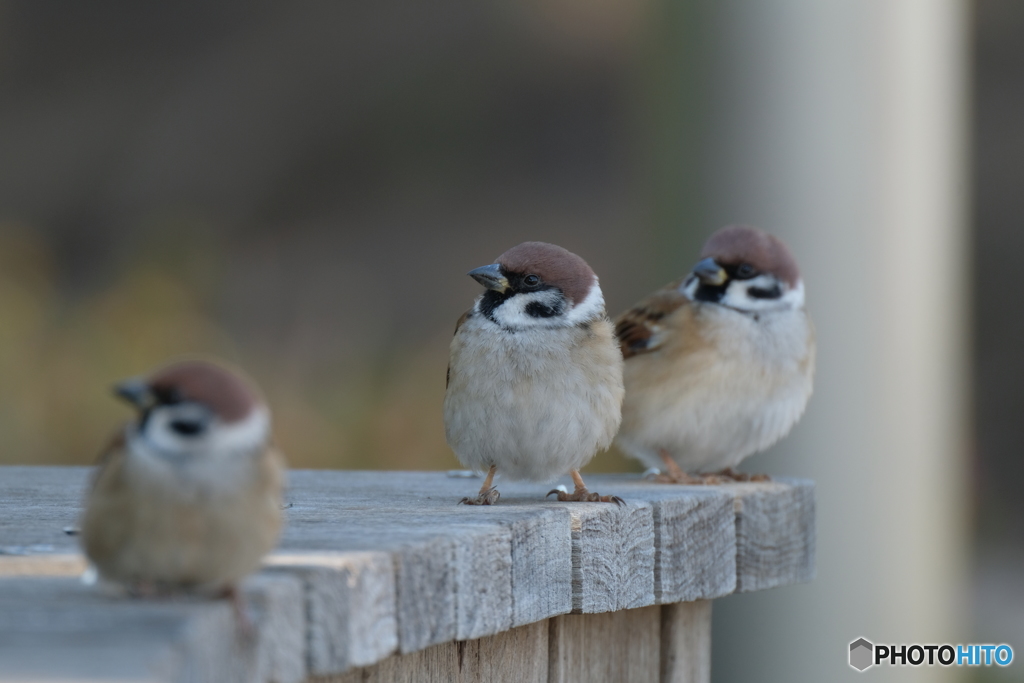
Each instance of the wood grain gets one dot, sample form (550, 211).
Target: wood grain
(616, 646)
(686, 642)
(519, 655)
(59, 629)
(349, 600)
(775, 536)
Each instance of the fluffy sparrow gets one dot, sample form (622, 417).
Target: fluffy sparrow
(188, 495)
(535, 374)
(719, 365)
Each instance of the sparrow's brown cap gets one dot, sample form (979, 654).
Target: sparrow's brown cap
(737, 244)
(553, 264)
(224, 391)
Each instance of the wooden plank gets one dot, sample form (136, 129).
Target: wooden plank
(695, 547)
(775, 534)
(686, 642)
(612, 546)
(694, 537)
(36, 505)
(350, 607)
(390, 560)
(539, 533)
(48, 564)
(612, 557)
(516, 656)
(520, 655)
(615, 646)
(453, 572)
(60, 630)
(278, 611)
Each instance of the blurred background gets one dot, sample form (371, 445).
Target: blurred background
(300, 188)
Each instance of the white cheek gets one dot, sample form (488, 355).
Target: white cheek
(220, 440)
(158, 434)
(244, 435)
(689, 287)
(512, 313)
(738, 296)
(590, 308)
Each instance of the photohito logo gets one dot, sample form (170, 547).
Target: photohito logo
(864, 654)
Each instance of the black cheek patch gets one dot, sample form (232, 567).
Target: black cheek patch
(710, 293)
(187, 428)
(774, 292)
(490, 301)
(536, 309)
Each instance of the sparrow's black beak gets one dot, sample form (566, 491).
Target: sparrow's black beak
(710, 273)
(135, 391)
(490, 277)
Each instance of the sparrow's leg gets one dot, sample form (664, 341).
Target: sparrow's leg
(673, 473)
(238, 608)
(581, 493)
(488, 494)
(729, 474)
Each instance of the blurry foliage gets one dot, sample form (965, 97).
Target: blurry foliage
(59, 356)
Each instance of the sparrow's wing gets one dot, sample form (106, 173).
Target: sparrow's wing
(639, 329)
(110, 457)
(109, 506)
(462, 319)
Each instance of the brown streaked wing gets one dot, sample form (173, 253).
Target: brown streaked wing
(448, 373)
(637, 328)
(113, 451)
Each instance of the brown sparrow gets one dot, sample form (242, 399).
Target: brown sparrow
(188, 496)
(719, 365)
(535, 374)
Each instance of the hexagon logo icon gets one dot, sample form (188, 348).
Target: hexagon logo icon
(861, 654)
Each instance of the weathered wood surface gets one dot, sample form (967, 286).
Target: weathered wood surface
(58, 629)
(775, 539)
(613, 646)
(519, 655)
(686, 642)
(666, 644)
(388, 562)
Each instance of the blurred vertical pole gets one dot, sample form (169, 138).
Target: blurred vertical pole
(841, 126)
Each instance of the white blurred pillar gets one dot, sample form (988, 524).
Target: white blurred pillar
(840, 125)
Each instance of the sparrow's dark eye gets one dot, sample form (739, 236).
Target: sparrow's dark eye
(187, 427)
(531, 280)
(745, 271)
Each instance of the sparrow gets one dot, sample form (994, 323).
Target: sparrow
(534, 383)
(187, 497)
(720, 364)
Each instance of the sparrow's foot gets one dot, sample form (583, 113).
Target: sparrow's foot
(730, 475)
(488, 497)
(582, 495)
(239, 608)
(680, 478)
(674, 474)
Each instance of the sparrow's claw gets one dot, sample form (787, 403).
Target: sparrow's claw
(730, 475)
(240, 609)
(585, 496)
(487, 497)
(673, 473)
(677, 478)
